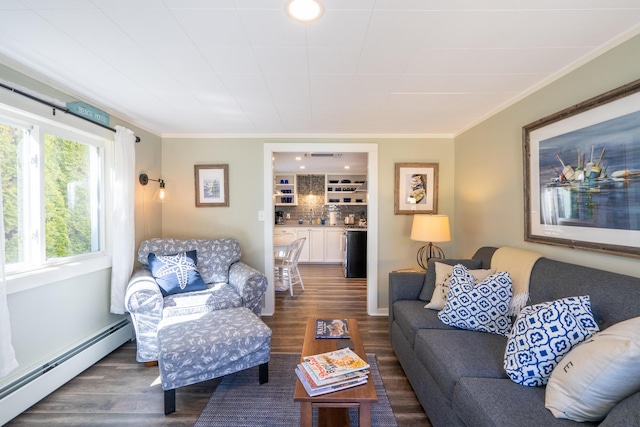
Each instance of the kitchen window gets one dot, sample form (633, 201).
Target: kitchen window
(53, 194)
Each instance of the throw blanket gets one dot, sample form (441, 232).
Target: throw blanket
(518, 263)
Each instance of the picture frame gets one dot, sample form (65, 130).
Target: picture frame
(416, 189)
(582, 175)
(212, 185)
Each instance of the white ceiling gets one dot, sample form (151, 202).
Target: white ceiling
(311, 163)
(242, 67)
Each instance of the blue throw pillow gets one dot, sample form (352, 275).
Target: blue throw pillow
(482, 306)
(176, 273)
(541, 336)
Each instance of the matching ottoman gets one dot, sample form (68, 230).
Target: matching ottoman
(204, 346)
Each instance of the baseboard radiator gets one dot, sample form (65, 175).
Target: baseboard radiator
(30, 388)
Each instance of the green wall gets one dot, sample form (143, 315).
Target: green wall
(489, 194)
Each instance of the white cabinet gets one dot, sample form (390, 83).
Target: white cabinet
(332, 252)
(313, 249)
(284, 190)
(345, 189)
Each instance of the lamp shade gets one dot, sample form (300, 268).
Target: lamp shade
(430, 228)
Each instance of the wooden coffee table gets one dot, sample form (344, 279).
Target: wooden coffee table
(333, 407)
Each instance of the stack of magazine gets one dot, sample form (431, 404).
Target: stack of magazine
(332, 371)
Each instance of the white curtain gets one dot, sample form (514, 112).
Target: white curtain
(123, 234)
(8, 360)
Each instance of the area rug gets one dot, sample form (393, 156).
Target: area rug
(239, 401)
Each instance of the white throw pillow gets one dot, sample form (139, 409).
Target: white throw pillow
(443, 280)
(597, 374)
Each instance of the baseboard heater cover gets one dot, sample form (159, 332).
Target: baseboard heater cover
(25, 391)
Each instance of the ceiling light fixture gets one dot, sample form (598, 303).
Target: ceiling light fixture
(304, 10)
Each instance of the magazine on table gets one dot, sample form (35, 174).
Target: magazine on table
(330, 388)
(332, 328)
(334, 363)
(335, 380)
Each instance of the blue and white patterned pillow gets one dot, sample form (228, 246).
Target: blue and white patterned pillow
(542, 334)
(482, 306)
(177, 272)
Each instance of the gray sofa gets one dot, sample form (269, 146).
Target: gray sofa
(458, 375)
(230, 284)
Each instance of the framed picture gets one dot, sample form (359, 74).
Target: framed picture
(416, 188)
(582, 175)
(212, 185)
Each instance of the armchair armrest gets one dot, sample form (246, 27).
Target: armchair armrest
(144, 301)
(403, 286)
(250, 284)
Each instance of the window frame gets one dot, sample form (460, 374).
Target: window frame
(19, 111)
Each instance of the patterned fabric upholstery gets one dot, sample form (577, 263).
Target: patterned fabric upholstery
(230, 284)
(200, 347)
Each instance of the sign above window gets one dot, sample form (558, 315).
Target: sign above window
(89, 112)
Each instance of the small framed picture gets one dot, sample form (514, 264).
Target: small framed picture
(212, 185)
(416, 188)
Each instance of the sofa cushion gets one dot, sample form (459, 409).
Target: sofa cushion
(624, 413)
(176, 273)
(443, 280)
(411, 316)
(216, 296)
(542, 334)
(482, 306)
(430, 278)
(596, 374)
(489, 402)
(451, 355)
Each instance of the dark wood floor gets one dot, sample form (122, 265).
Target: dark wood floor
(119, 391)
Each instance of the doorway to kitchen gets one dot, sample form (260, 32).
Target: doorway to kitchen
(371, 151)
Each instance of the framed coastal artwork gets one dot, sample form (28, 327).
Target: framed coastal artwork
(416, 188)
(212, 185)
(582, 175)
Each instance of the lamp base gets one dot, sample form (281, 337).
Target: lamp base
(427, 252)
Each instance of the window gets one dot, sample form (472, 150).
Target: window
(52, 187)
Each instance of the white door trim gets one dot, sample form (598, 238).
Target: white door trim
(372, 213)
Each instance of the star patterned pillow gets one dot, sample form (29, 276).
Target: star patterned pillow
(176, 273)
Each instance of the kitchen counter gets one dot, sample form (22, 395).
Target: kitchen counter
(292, 223)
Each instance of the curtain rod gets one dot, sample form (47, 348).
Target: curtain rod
(57, 107)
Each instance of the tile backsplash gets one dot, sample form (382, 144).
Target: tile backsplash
(310, 189)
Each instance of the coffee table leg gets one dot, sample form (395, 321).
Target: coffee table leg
(306, 414)
(364, 414)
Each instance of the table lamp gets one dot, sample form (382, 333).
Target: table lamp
(430, 228)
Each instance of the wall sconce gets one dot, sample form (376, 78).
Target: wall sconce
(161, 194)
(430, 228)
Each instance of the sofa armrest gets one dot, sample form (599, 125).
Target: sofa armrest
(403, 286)
(144, 301)
(250, 284)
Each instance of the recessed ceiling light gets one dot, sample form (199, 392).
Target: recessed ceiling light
(347, 167)
(301, 167)
(304, 10)
(298, 158)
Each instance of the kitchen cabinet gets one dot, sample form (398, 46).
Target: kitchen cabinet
(284, 190)
(345, 189)
(313, 249)
(332, 249)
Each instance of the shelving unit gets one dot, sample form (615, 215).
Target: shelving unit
(345, 189)
(284, 190)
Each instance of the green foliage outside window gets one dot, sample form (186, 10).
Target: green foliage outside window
(67, 170)
(11, 141)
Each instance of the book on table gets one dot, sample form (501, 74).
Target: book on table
(333, 364)
(317, 391)
(315, 383)
(332, 328)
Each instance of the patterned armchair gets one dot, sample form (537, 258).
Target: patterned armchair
(229, 283)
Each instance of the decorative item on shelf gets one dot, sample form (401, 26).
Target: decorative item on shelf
(430, 228)
(161, 193)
